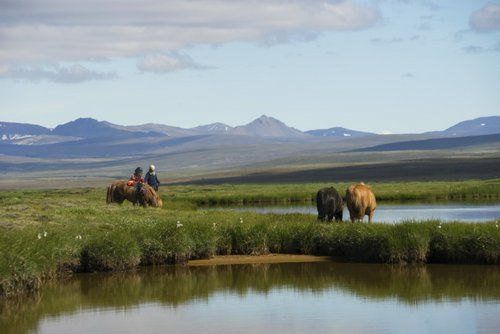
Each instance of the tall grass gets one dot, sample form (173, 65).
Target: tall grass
(46, 234)
(28, 256)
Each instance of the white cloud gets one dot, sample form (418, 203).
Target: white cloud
(431, 5)
(73, 74)
(394, 40)
(475, 49)
(44, 31)
(162, 63)
(486, 18)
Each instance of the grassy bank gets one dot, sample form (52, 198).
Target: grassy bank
(89, 240)
(46, 234)
(306, 192)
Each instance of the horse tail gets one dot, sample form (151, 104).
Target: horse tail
(110, 193)
(353, 197)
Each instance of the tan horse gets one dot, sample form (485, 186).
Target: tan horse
(360, 202)
(119, 191)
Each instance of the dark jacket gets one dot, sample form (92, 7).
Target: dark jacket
(152, 180)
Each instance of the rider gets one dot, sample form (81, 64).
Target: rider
(138, 182)
(151, 178)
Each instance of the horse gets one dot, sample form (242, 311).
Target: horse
(119, 191)
(329, 204)
(360, 202)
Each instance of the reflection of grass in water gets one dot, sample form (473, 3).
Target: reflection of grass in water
(174, 286)
(48, 233)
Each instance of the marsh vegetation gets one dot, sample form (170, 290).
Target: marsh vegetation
(55, 233)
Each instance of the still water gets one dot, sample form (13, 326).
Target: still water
(397, 212)
(322, 297)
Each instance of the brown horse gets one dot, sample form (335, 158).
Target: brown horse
(360, 202)
(119, 191)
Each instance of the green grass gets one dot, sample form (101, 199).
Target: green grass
(47, 234)
(140, 237)
(305, 192)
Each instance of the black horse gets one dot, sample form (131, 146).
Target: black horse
(329, 204)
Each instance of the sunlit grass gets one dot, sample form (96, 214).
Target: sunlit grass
(46, 234)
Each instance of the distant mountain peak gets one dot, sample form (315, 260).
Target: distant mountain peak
(86, 119)
(265, 118)
(20, 132)
(266, 126)
(477, 126)
(213, 128)
(92, 128)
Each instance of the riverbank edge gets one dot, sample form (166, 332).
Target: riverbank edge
(222, 260)
(126, 246)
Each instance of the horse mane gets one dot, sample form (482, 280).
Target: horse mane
(364, 185)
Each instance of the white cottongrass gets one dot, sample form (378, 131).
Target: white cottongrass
(241, 220)
(39, 236)
(179, 224)
(45, 234)
(78, 237)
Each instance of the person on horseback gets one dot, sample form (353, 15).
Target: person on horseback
(138, 182)
(151, 178)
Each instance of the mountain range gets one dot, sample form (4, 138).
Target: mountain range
(85, 128)
(88, 144)
(264, 126)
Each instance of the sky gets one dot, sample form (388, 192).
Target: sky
(387, 66)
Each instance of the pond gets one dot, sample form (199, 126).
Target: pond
(320, 297)
(397, 212)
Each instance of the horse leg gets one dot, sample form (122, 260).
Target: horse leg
(370, 217)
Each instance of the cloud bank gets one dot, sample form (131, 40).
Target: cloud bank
(72, 74)
(162, 63)
(486, 18)
(39, 32)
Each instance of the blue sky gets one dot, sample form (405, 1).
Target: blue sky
(383, 66)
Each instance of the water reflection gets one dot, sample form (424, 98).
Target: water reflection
(396, 212)
(175, 293)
